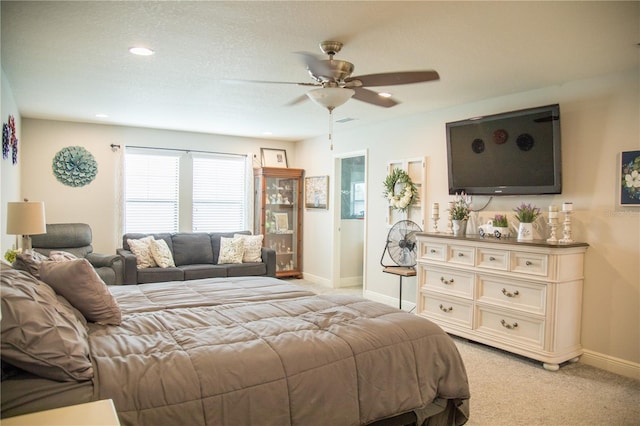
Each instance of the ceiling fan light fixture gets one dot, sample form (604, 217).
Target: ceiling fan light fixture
(385, 94)
(330, 97)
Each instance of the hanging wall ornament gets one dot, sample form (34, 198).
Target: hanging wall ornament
(74, 166)
(6, 135)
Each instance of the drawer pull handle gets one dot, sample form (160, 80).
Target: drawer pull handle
(432, 251)
(443, 309)
(509, 326)
(460, 254)
(491, 258)
(447, 282)
(509, 294)
(528, 263)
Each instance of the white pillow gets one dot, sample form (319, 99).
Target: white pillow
(231, 250)
(161, 253)
(252, 247)
(140, 248)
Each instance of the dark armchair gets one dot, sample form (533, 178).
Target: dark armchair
(76, 238)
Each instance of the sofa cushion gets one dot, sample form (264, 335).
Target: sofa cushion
(252, 247)
(161, 253)
(246, 269)
(141, 249)
(195, 272)
(157, 275)
(191, 248)
(231, 250)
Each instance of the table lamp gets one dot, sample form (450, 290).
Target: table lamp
(26, 218)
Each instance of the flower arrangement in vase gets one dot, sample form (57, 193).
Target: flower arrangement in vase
(501, 224)
(526, 214)
(460, 209)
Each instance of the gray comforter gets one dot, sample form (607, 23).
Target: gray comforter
(260, 351)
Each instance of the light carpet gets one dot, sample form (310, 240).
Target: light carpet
(507, 389)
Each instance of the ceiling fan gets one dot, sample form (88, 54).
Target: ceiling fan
(336, 85)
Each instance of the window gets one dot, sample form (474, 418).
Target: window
(219, 200)
(151, 191)
(171, 191)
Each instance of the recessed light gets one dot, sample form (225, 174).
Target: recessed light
(267, 133)
(384, 94)
(141, 51)
(101, 115)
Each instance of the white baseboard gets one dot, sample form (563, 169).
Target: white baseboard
(611, 364)
(389, 300)
(350, 282)
(317, 280)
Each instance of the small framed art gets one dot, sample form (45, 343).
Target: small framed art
(316, 192)
(630, 178)
(274, 157)
(282, 222)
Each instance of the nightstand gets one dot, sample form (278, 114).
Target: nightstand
(97, 413)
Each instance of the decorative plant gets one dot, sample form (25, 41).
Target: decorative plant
(500, 220)
(461, 207)
(526, 213)
(406, 194)
(10, 255)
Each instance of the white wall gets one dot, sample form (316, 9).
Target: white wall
(599, 118)
(97, 203)
(9, 173)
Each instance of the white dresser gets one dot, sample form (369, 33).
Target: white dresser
(523, 297)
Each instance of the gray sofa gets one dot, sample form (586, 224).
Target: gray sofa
(196, 256)
(76, 238)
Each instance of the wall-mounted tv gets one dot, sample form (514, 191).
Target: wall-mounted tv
(512, 153)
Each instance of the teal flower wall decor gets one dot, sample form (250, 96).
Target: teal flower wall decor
(74, 166)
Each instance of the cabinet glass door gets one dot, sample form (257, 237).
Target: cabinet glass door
(281, 221)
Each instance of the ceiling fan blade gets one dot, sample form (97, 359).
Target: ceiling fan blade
(297, 100)
(316, 65)
(371, 97)
(269, 82)
(395, 78)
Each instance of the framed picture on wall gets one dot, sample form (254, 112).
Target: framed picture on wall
(630, 178)
(316, 192)
(274, 157)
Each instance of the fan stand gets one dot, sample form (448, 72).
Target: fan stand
(401, 271)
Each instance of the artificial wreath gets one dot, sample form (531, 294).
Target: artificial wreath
(74, 166)
(400, 190)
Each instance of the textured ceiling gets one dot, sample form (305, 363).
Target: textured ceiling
(69, 60)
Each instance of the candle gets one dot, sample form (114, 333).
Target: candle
(553, 215)
(553, 208)
(567, 207)
(435, 210)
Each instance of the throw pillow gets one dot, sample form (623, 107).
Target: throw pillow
(61, 256)
(252, 247)
(29, 261)
(231, 250)
(80, 284)
(40, 332)
(161, 254)
(140, 248)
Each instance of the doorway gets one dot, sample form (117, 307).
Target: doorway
(351, 214)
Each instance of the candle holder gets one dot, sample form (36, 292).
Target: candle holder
(566, 231)
(450, 219)
(435, 218)
(553, 224)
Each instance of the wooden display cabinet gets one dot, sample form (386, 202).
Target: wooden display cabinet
(278, 216)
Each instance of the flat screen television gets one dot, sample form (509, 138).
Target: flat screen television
(512, 153)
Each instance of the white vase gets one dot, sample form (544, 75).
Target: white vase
(525, 232)
(459, 227)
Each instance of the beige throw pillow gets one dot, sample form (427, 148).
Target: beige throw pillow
(161, 254)
(231, 250)
(252, 247)
(144, 258)
(80, 284)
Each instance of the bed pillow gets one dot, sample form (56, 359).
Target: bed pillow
(252, 247)
(144, 258)
(161, 253)
(61, 256)
(231, 250)
(29, 261)
(40, 332)
(79, 283)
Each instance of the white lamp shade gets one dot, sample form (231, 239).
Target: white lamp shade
(330, 97)
(26, 218)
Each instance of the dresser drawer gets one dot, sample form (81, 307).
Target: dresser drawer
(493, 259)
(519, 329)
(449, 281)
(529, 263)
(512, 294)
(463, 255)
(452, 310)
(433, 251)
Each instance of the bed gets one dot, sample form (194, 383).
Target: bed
(241, 351)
